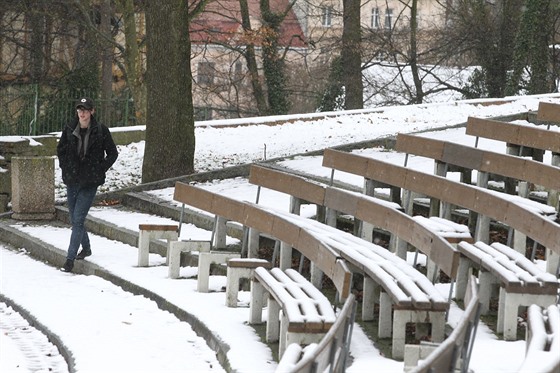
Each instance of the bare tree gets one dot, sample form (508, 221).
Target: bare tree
(483, 34)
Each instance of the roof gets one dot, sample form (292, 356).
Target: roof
(221, 23)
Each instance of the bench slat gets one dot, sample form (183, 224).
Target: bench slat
(304, 306)
(157, 227)
(548, 112)
(527, 136)
(486, 261)
(525, 263)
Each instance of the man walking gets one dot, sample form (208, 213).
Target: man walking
(86, 151)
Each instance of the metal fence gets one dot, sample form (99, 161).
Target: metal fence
(26, 111)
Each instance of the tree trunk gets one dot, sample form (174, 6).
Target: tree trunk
(351, 55)
(170, 138)
(251, 60)
(106, 57)
(419, 95)
(273, 64)
(134, 73)
(36, 20)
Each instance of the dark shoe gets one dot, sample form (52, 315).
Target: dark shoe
(68, 266)
(83, 254)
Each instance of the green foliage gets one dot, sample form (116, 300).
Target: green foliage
(532, 53)
(333, 96)
(476, 86)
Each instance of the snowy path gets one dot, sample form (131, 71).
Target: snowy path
(104, 327)
(25, 347)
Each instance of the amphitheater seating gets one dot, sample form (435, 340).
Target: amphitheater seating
(521, 282)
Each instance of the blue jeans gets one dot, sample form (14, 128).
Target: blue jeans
(80, 199)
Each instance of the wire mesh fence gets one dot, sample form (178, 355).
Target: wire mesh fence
(26, 111)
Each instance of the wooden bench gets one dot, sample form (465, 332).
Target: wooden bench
(525, 140)
(521, 282)
(549, 112)
(542, 353)
(331, 353)
(261, 220)
(449, 155)
(297, 311)
(407, 292)
(377, 212)
(255, 217)
(526, 136)
(407, 296)
(477, 159)
(540, 228)
(454, 353)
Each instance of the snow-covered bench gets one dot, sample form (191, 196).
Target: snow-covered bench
(524, 140)
(297, 311)
(259, 219)
(307, 312)
(542, 354)
(530, 218)
(521, 282)
(331, 353)
(481, 160)
(434, 237)
(453, 354)
(449, 155)
(407, 297)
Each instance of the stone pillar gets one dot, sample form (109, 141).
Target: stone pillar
(33, 188)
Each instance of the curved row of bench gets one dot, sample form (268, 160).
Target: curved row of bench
(404, 295)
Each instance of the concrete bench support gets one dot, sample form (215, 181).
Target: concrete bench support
(402, 317)
(237, 269)
(509, 308)
(205, 260)
(178, 247)
(148, 232)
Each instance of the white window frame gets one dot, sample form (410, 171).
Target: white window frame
(375, 18)
(326, 17)
(388, 18)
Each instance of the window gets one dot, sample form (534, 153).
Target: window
(205, 73)
(327, 16)
(389, 18)
(375, 18)
(238, 71)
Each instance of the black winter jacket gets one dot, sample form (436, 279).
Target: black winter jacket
(99, 156)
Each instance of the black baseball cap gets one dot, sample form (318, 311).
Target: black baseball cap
(85, 103)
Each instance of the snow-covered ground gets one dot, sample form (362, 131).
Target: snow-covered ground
(107, 329)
